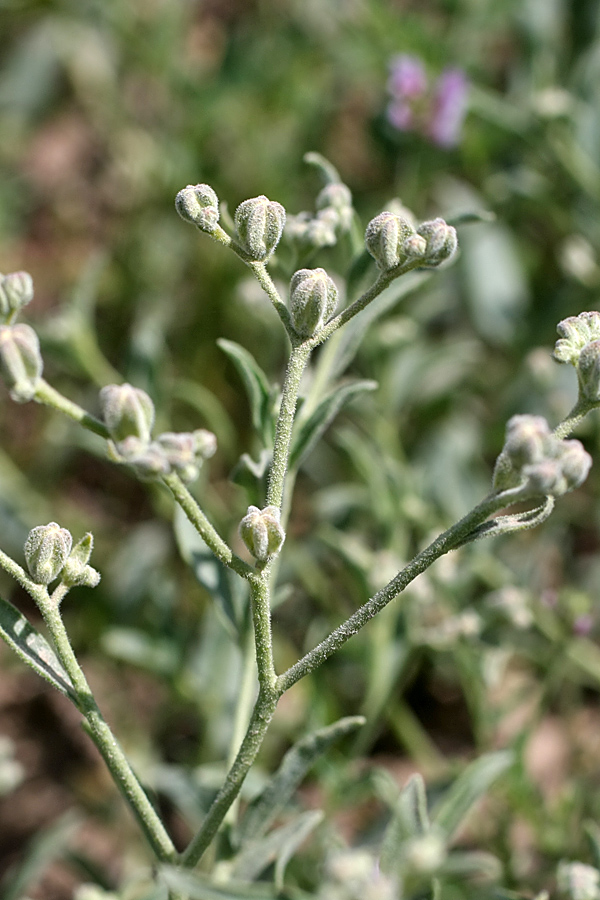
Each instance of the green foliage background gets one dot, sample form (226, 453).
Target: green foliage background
(106, 110)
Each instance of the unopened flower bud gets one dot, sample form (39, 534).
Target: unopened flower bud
(261, 531)
(127, 412)
(313, 299)
(179, 451)
(337, 196)
(575, 332)
(385, 237)
(526, 439)
(575, 463)
(415, 246)
(21, 362)
(46, 551)
(441, 241)
(16, 291)
(578, 880)
(320, 231)
(545, 478)
(198, 204)
(588, 371)
(259, 223)
(76, 570)
(205, 443)
(148, 460)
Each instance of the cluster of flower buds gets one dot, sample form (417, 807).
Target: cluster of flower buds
(313, 299)
(333, 216)
(49, 552)
(261, 532)
(579, 345)
(259, 224)
(392, 240)
(21, 363)
(540, 463)
(128, 414)
(199, 204)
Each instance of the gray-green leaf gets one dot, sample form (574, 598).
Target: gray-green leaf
(33, 649)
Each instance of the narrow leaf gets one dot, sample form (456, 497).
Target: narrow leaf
(294, 766)
(256, 383)
(409, 820)
(229, 593)
(33, 649)
(469, 787)
(197, 887)
(311, 430)
(278, 846)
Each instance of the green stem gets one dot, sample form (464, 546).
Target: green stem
(259, 723)
(103, 737)
(449, 540)
(579, 411)
(266, 283)
(261, 616)
(50, 397)
(243, 708)
(283, 434)
(207, 532)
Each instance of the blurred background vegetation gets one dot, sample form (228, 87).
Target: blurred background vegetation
(107, 109)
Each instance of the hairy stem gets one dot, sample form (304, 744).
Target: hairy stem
(50, 397)
(103, 737)
(283, 434)
(261, 718)
(572, 420)
(207, 532)
(449, 540)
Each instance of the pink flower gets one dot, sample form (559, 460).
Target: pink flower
(436, 112)
(449, 108)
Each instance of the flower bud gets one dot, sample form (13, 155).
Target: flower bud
(313, 299)
(526, 439)
(385, 237)
(575, 463)
(127, 412)
(337, 196)
(198, 204)
(575, 332)
(578, 880)
(205, 443)
(261, 531)
(76, 570)
(259, 223)
(441, 241)
(179, 451)
(16, 291)
(588, 371)
(148, 460)
(46, 551)
(21, 362)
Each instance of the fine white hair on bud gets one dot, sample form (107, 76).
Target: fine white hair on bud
(259, 223)
(313, 299)
(16, 291)
(21, 361)
(261, 532)
(198, 204)
(46, 551)
(127, 412)
(385, 237)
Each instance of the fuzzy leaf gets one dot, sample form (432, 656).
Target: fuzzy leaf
(469, 787)
(197, 887)
(33, 649)
(258, 387)
(311, 430)
(278, 846)
(229, 593)
(409, 820)
(294, 766)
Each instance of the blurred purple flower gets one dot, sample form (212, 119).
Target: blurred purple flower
(407, 77)
(449, 108)
(436, 112)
